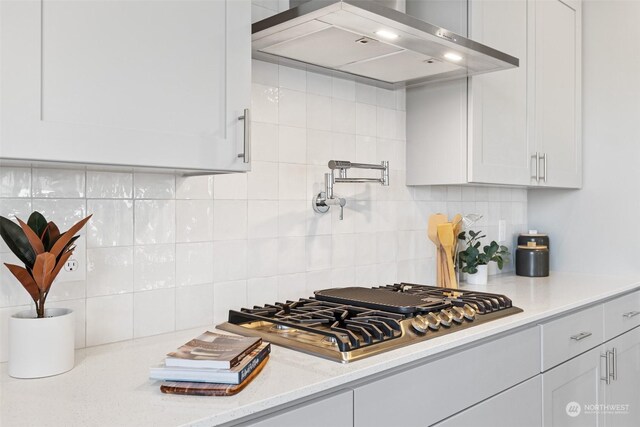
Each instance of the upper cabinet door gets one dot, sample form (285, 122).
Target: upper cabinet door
(126, 82)
(498, 146)
(556, 80)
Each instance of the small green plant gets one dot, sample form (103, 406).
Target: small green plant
(42, 248)
(470, 258)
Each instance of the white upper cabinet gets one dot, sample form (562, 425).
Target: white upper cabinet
(123, 82)
(555, 104)
(507, 127)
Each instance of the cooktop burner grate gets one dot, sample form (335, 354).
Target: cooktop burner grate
(376, 320)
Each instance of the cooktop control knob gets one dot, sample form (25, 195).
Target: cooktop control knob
(445, 318)
(419, 324)
(458, 314)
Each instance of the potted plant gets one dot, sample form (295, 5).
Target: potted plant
(473, 260)
(41, 341)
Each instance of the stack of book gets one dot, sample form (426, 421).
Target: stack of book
(212, 365)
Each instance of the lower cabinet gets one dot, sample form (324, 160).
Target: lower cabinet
(429, 393)
(520, 405)
(570, 386)
(598, 388)
(335, 410)
(622, 394)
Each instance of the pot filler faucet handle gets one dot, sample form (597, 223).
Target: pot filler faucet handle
(325, 199)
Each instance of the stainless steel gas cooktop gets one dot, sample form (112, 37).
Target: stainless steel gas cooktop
(347, 324)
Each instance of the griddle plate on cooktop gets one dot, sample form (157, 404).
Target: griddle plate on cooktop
(380, 299)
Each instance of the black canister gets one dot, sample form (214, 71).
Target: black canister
(532, 255)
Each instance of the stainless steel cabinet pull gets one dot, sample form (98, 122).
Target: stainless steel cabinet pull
(614, 364)
(536, 158)
(246, 155)
(544, 157)
(605, 377)
(631, 314)
(581, 336)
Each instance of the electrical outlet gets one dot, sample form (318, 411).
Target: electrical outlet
(71, 265)
(502, 230)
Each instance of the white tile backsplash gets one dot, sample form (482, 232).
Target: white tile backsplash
(165, 252)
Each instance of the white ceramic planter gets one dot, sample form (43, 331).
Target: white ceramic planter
(41, 347)
(480, 278)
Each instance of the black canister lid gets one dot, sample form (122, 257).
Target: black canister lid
(533, 238)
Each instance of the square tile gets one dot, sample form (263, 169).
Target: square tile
(344, 89)
(229, 260)
(318, 112)
(64, 212)
(292, 218)
(262, 257)
(292, 78)
(365, 119)
(263, 181)
(292, 287)
(231, 186)
(264, 142)
(365, 248)
(292, 145)
(318, 253)
(109, 319)
(154, 186)
(194, 306)
(194, 221)
(264, 103)
(262, 291)
(194, 263)
(343, 250)
(109, 185)
(154, 267)
(292, 108)
(15, 182)
(292, 184)
(230, 219)
(155, 222)
(343, 116)
(319, 147)
(264, 73)
(111, 223)
(228, 296)
(58, 183)
(262, 219)
(109, 271)
(291, 255)
(318, 84)
(194, 187)
(154, 312)
(366, 93)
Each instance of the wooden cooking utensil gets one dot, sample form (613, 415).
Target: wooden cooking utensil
(445, 235)
(457, 228)
(432, 233)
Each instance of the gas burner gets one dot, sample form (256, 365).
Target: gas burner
(347, 324)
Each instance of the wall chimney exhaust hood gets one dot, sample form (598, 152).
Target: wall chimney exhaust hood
(374, 43)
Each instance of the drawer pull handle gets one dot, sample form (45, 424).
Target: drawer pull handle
(581, 336)
(606, 377)
(631, 314)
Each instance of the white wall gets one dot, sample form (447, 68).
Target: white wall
(165, 253)
(595, 230)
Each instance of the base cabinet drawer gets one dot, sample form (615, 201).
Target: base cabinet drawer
(568, 336)
(621, 315)
(518, 406)
(429, 393)
(335, 410)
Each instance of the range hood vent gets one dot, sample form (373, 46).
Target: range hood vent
(374, 43)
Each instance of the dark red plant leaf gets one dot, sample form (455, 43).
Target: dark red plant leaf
(54, 234)
(64, 239)
(17, 241)
(37, 223)
(34, 240)
(42, 268)
(26, 280)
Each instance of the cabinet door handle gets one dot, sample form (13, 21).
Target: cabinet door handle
(536, 160)
(581, 336)
(544, 169)
(605, 377)
(246, 118)
(631, 314)
(614, 364)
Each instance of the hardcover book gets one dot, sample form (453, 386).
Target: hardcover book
(235, 375)
(211, 350)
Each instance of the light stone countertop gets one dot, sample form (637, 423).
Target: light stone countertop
(110, 387)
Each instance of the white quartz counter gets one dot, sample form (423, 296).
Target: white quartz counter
(110, 387)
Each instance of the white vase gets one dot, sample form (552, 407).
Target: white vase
(41, 347)
(479, 278)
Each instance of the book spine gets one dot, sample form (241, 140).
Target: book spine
(247, 351)
(246, 371)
